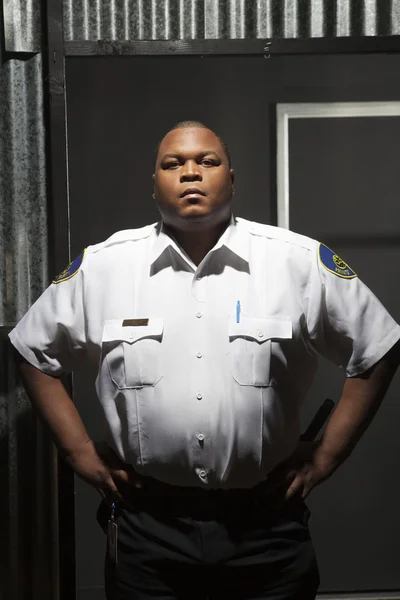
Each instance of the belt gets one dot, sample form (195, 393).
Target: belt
(164, 500)
(156, 496)
(150, 486)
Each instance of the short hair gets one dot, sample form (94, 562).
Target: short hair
(187, 124)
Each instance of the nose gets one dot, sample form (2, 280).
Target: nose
(191, 171)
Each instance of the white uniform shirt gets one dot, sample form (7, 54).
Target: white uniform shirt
(191, 396)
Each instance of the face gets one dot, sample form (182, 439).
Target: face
(193, 184)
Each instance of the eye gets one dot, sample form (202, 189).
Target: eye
(208, 162)
(172, 165)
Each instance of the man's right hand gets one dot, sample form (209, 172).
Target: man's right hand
(99, 466)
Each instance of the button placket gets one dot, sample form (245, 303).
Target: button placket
(199, 287)
(199, 449)
(199, 341)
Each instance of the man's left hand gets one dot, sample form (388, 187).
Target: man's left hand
(306, 468)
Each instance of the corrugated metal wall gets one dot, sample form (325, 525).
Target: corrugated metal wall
(194, 19)
(198, 19)
(23, 241)
(22, 25)
(26, 557)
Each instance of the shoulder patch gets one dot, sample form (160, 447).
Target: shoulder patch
(334, 264)
(71, 269)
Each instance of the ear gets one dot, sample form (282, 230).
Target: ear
(232, 174)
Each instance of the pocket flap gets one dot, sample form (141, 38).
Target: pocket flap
(261, 328)
(114, 332)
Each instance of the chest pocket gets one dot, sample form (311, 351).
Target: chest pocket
(133, 353)
(251, 346)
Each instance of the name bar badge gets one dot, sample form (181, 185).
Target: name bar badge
(135, 322)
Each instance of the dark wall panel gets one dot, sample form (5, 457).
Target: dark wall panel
(343, 190)
(118, 110)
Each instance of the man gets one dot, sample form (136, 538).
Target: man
(204, 329)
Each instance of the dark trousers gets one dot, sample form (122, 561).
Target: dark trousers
(211, 545)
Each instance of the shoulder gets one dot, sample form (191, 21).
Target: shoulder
(121, 238)
(281, 236)
(102, 253)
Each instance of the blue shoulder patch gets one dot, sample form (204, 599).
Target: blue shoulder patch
(333, 263)
(71, 270)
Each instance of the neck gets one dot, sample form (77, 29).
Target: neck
(198, 243)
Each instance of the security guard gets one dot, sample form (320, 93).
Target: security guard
(204, 329)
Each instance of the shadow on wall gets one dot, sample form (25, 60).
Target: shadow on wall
(26, 552)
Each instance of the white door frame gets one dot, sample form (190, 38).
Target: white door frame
(314, 110)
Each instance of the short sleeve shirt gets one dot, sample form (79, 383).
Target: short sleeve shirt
(201, 370)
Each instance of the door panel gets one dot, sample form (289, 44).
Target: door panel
(343, 182)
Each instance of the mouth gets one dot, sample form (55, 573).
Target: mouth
(192, 192)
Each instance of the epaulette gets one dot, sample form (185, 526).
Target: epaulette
(126, 235)
(285, 235)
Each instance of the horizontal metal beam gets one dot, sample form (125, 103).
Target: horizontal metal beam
(360, 596)
(267, 47)
(165, 47)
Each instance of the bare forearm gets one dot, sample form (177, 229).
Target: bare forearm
(360, 401)
(55, 408)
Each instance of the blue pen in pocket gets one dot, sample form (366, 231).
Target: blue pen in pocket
(238, 311)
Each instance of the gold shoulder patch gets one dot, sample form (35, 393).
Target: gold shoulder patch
(71, 269)
(334, 264)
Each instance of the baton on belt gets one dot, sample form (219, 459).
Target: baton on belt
(319, 420)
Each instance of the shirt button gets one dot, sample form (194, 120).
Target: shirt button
(131, 337)
(200, 437)
(199, 355)
(202, 473)
(199, 315)
(198, 278)
(199, 396)
(260, 334)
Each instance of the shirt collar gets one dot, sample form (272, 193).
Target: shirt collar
(234, 238)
